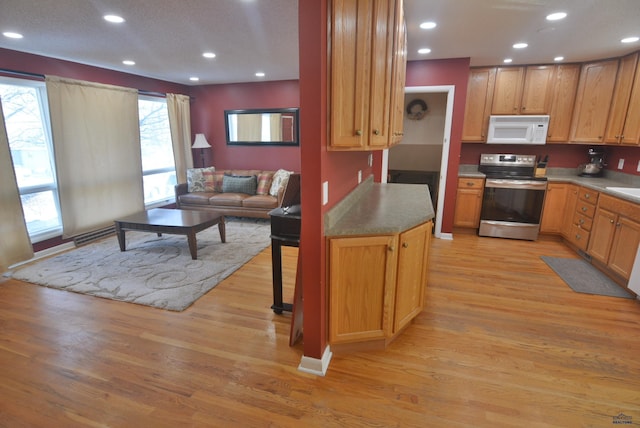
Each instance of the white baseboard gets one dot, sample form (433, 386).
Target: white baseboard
(446, 236)
(316, 366)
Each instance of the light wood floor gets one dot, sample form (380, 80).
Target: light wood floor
(502, 342)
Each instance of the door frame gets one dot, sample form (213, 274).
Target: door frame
(446, 144)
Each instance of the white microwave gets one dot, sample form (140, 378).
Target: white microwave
(521, 129)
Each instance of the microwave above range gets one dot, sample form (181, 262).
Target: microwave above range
(518, 129)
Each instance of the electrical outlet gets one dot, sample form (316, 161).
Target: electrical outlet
(370, 159)
(325, 193)
(638, 167)
(621, 164)
(359, 176)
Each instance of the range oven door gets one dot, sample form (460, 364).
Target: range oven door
(512, 208)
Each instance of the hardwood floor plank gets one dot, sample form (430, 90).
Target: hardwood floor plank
(502, 341)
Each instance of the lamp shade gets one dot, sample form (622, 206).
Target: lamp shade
(200, 142)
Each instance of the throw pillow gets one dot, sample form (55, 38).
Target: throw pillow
(235, 184)
(264, 182)
(196, 181)
(217, 181)
(279, 180)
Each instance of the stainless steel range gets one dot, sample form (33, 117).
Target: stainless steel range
(513, 196)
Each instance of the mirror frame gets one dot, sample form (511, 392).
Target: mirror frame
(296, 127)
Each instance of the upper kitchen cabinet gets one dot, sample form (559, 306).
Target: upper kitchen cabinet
(565, 84)
(623, 126)
(363, 63)
(478, 104)
(398, 76)
(523, 90)
(593, 101)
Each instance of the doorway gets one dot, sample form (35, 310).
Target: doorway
(424, 156)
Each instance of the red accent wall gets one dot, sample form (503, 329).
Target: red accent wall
(446, 72)
(207, 116)
(631, 156)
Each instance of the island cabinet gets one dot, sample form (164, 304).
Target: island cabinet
(615, 235)
(362, 65)
(554, 208)
(565, 85)
(593, 101)
(478, 104)
(468, 202)
(376, 284)
(523, 90)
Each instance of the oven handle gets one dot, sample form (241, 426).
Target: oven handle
(515, 184)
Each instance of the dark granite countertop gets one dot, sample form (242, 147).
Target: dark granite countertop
(570, 175)
(380, 209)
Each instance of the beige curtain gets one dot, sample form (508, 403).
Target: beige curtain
(15, 245)
(249, 127)
(275, 122)
(180, 124)
(96, 139)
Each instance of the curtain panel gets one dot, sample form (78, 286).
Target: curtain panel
(180, 125)
(15, 245)
(96, 141)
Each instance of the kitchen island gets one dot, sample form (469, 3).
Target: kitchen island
(378, 241)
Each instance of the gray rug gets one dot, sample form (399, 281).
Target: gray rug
(154, 271)
(582, 277)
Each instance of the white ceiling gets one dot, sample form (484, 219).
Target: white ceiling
(166, 38)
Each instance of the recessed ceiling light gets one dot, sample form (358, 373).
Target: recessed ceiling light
(520, 45)
(559, 58)
(428, 25)
(12, 35)
(259, 74)
(114, 18)
(209, 55)
(424, 51)
(630, 39)
(556, 16)
(128, 62)
(507, 60)
(194, 78)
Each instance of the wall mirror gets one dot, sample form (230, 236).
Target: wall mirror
(262, 127)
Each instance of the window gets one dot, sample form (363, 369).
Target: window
(158, 165)
(26, 117)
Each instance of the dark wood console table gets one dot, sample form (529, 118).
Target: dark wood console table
(285, 230)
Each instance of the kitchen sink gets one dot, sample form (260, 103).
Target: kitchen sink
(629, 191)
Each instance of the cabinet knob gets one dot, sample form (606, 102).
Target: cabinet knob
(376, 132)
(524, 108)
(469, 183)
(581, 221)
(358, 131)
(587, 196)
(405, 245)
(618, 224)
(578, 236)
(611, 221)
(391, 248)
(584, 208)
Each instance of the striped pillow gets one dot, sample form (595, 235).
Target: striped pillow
(264, 182)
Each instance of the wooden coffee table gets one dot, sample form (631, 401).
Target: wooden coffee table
(173, 222)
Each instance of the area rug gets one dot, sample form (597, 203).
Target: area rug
(582, 277)
(153, 271)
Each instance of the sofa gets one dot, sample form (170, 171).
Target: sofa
(242, 193)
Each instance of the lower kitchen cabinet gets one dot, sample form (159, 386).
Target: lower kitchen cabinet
(468, 202)
(554, 208)
(376, 284)
(615, 234)
(581, 225)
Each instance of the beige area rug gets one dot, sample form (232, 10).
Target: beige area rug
(154, 271)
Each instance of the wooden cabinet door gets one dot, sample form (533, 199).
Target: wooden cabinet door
(631, 131)
(624, 246)
(602, 233)
(508, 90)
(350, 72)
(593, 100)
(399, 74)
(569, 210)
(362, 273)
(538, 89)
(412, 274)
(478, 104)
(553, 210)
(562, 102)
(468, 202)
(621, 97)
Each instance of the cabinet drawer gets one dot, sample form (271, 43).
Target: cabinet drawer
(585, 208)
(579, 237)
(587, 195)
(583, 221)
(470, 183)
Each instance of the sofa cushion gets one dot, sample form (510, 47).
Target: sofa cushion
(279, 180)
(260, 201)
(196, 198)
(236, 184)
(227, 199)
(264, 182)
(200, 179)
